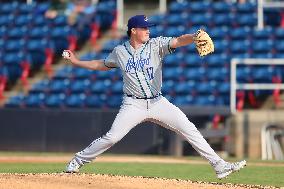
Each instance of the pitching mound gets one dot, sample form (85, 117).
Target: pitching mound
(85, 181)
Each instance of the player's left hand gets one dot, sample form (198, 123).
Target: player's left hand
(203, 43)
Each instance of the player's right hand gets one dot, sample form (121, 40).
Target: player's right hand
(69, 55)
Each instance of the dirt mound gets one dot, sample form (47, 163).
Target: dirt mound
(85, 181)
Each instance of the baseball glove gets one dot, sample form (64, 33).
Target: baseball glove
(203, 43)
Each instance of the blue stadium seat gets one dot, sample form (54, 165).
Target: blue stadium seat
(81, 73)
(262, 46)
(178, 7)
(246, 19)
(217, 60)
(168, 86)
(157, 19)
(109, 45)
(182, 88)
(246, 8)
(240, 33)
(243, 74)
(173, 73)
(239, 46)
(25, 9)
(200, 19)
(39, 21)
(219, 32)
(218, 74)
(23, 20)
(15, 101)
(59, 86)
(192, 60)
(100, 86)
(14, 45)
(173, 59)
(7, 8)
(6, 20)
(205, 87)
(262, 74)
(75, 100)
(204, 100)
(220, 46)
(38, 32)
(222, 19)
(34, 100)
(198, 7)
(116, 88)
(223, 88)
(64, 73)
(17, 32)
(183, 100)
(279, 33)
(177, 19)
(55, 100)
(60, 20)
(221, 7)
(40, 87)
(93, 101)
(156, 31)
(195, 74)
(114, 101)
(3, 31)
(174, 31)
(265, 33)
(279, 47)
(80, 86)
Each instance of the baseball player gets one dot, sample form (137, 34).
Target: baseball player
(140, 61)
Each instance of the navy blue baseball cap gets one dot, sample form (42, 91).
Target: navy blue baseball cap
(139, 21)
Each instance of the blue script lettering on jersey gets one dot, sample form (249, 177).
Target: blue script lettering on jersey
(137, 65)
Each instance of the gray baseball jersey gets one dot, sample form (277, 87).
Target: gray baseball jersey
(142, 68)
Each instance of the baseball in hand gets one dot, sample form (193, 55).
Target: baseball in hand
(66, 54)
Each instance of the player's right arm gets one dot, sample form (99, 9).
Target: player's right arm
(91, 64)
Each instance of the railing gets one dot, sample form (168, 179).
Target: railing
(249, 86)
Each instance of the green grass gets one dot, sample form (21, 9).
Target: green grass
(256, 175)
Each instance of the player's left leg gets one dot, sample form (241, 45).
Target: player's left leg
(173, 118)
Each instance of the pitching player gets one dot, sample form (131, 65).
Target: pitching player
(140, 61)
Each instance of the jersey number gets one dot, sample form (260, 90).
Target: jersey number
(150, 72)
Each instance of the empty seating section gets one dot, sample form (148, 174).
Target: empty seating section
(187, 78)
(27, 35)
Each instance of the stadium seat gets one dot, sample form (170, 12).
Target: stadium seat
(240, 46)
(279, 33)
(221, 7)
(177, 19)
(245, 8)
(200, 19)
(157, 19)
(222, 19)
(116, 88)
(241, 33)
(262, 46)
(93, 101)
(75, 100)
(246, 19)
(15, 101)
(192, 60)
(174, 31)
(34, 100)
(265, 33)
(23, 20)
(59, 86)
(40, 87)
(80, 86)
(173, 59)
(218, 33)
(55, 100)
(198, 7)
(114, 101)
(183, 100)
(178, 7)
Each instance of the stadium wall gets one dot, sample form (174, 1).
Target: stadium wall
(245, 131)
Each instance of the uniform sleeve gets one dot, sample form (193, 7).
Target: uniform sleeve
(111, 61)
(164, 46)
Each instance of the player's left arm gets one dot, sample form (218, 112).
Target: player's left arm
(182, 40)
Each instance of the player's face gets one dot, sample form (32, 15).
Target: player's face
(143, 34)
